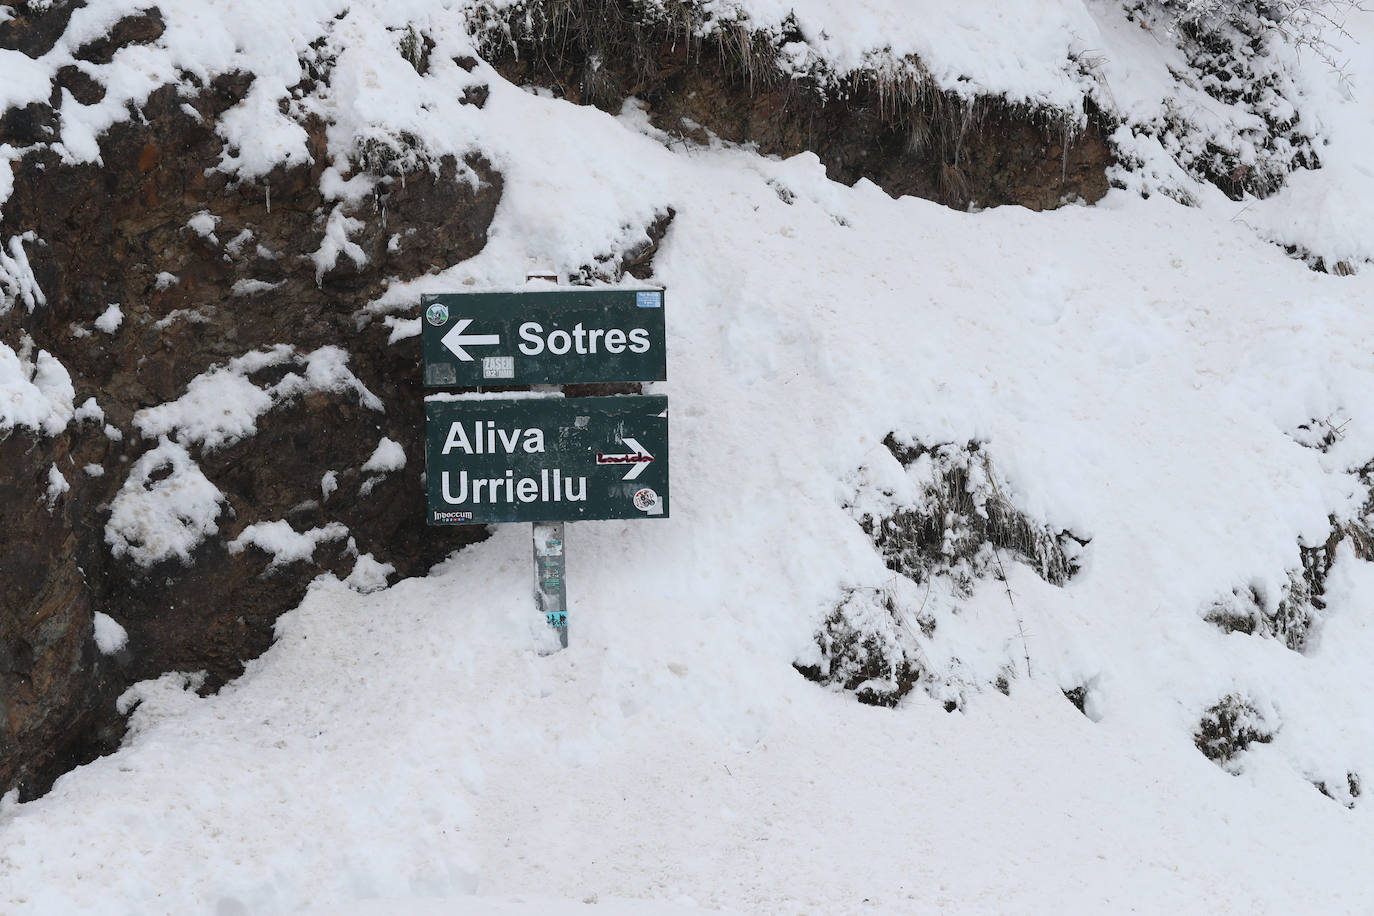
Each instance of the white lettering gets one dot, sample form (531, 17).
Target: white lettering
(462, 496)
(529, 332)
(487, 437)
(581, 340)
(548, 487)
(559, 342)
(457, 438)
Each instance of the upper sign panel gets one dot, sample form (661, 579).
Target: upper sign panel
(546, 337)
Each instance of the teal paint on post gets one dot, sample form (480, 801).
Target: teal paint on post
(491, 460)
(545, 337)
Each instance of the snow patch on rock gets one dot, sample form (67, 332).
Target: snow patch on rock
(57, 485)
(17, 282)
(110, 319)
(337, 242)
(368, 574)
(37, 395)
(252, 287)
(164, 509)
(222, 405)
(110, 637)
(284, 543)
(387, 457)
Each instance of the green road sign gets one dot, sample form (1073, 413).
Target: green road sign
(545, 458)
(554, 336)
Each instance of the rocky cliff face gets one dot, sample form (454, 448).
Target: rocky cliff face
(158, 280)
(203, 271)
(895, 128)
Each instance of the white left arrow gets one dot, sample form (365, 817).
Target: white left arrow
(455, 339)
(638, 459)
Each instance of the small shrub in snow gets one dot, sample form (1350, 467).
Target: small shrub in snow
(1303, 21)
(1293, 615)
(378, 151)
(1290, 619)
(1230, 726)
(961, 519)
(415, 48)
(862, 649)
(1346, 794)
(942, 522)
(1320, 433)
(1249, 135)
(1078, 696)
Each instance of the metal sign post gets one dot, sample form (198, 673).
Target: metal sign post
(550, 587)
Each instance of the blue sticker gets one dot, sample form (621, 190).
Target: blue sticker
(649, 300)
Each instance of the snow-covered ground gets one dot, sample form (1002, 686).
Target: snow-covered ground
(1135, 369)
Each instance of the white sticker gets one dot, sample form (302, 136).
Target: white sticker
(646, 500)
(498, 367)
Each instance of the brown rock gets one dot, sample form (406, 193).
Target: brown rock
(109, 232)
(142, 29)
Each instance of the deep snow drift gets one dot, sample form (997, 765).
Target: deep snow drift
(1137, 370)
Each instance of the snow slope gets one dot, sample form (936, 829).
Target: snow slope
(1135, 369)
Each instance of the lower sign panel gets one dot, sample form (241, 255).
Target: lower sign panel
(546, 459)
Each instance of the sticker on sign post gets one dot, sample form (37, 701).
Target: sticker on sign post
(500, 367)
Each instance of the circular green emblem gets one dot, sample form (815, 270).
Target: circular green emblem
(437, 314)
